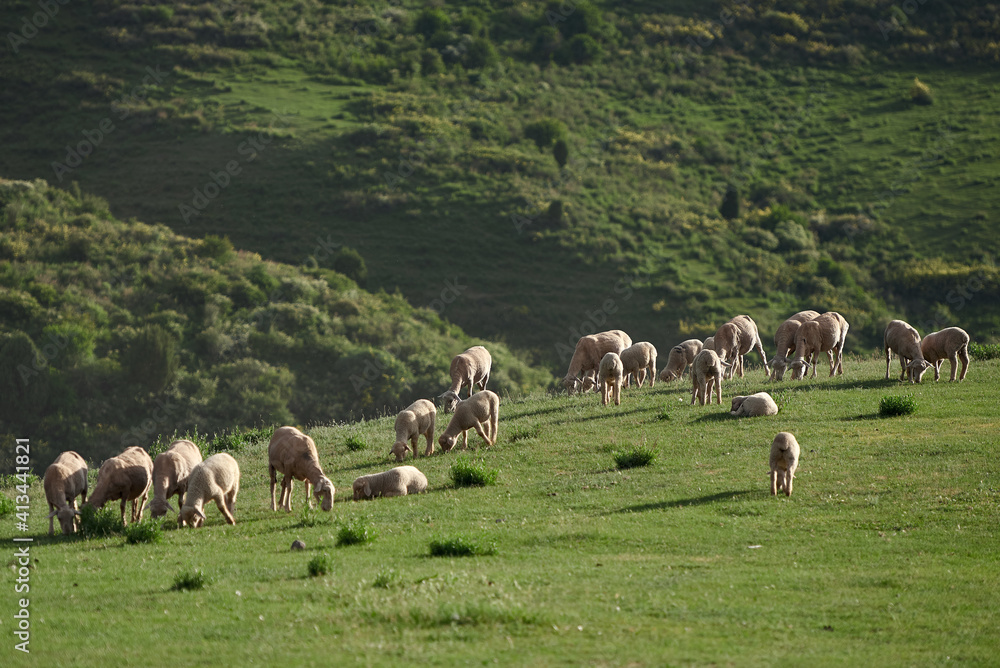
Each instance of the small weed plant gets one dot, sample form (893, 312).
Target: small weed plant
(189, 581)
(636, 456)
(147, 531)
(385, 579)
(460, 546)
(319, 565)
(468, 474)
(102, 523)
(354, 443)
(524, 432)
(356, 532)
(897, 404)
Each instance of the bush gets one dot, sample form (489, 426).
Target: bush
(545, 131)
(100, 523)
(432, 21)
(921, 92)
(984, 351)
(730, 207)
(639, 455)
(349, 262)
(897, 404)
(150, 359)
(356, 532)
(188, 580)
(146, 531)
(460, 546)
(580, 49)
(321, 564)
(545, 43)
(354, 443)
(467, 474)
(560, 151)
(480, 53)
(7, 505)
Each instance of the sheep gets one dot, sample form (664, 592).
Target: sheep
(636, 360)
(680, 357)
(709, 343)
(737, 345)
(784, 341)
(170, 475)
(399, 481)
(294, 454)
(128, 477)
(706, 372)
(784, 460)
(215, 479)
(590, 350)
(755, 405)
(902, 338)
(471, 368)
(414, 421)
(826, 333)
(609, 376)
(481, 412)
(64, 480)
(951, 343)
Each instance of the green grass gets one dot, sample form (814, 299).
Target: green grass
(465, 473)
(356, 532)
(319, 565)
(897, 404)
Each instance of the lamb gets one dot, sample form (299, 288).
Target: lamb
(826, 333)
(680, 357)
(706, 371)
(951, 343)
(905, 340)
(590, 350)
(755, 405)
(414, 421)
(738, 345)
(399, 481)
(709, 343)
(294, 454)
(609, 376)
(636, 360)
(784, 341)
(64, 480)
(481, 412)
(215, 479)
(471, 368)
(170, 475)
(784, 460)
(128, 477)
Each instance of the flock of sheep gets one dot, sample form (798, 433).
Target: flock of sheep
(605, 361)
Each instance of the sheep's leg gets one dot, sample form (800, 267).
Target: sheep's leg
(718, 390)
(309, 500)
(414, 445)
(465, 439)
(495, 424)
(274, 482)
(954, 366)
(478, 426)
(618, 393)
(888, 360)
(903, 369)
(430, 441)
(788, 482)
(694, 391)
(937, 370)
(774, 482)
(963, 354)
(51, 518)
(220, 501)
(124, 503)
(286, 492)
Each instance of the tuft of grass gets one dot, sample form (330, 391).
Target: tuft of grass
(664, 415)
(309, 517)
(10, 481)
(460, 546)
(147, 531)
(630, 458)
(7, 505)
(319, 565)
(354, 443)
(386, 578)
(101, 523)
(984, 351)
(356, 532)
(467, 474)
(524, 432)
(189, 581)
(897, 404)
(920, 92)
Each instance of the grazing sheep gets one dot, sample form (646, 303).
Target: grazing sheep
(622, 336)
(680, 357)
(414, 421)
(481, 412)
(64, 480)
(399, 481)
(706, 372)
(293, 453)
(127, 477)
(784, 460)
(784, 341)
(215, 479)
(590, 350)
(951, 343)
(755, 405)
(902, 338)
(170, 475)
(824, 334)
(735, 344)
(609, 376)
(638, 359)
(709, 343)
(471, 368)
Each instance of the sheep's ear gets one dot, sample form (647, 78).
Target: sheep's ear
(52, 514)
(200, 514)
(77, 513)
(368, 489)
(170, 506)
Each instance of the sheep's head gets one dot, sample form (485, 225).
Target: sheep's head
(324, 492)
(799, 367)
(917, 369)
(399, 449)
(449, 401)
(589, 383)
(67, 518)
(190, 516)
(571, 383)
(362, 490)
(778, 366)
(159, 507)
(668, 375)
(737, 402)
(447, 442)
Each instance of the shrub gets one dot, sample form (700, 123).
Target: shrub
(100, 523)
(984, 351)
(480, 53)
(354, 443)
(7, 505)
(545, 131)
(432, 21)
(355, 532)
(560, 151)
(467, 474)
(321, 564)
(150, 359)
(730, 207)
(921, 92)
(897, 404)
(147, 531)
(460, 546)
(639, 455)
(545, 43)
(580, 49)
(188, 580)
(349, 262)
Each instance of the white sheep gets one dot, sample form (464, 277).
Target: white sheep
(64, 480)
(589, 352)
(735, 345)
(481, 412)
(609, 377)
(414, 421)
(754, 405)
(824, 334)
(784, 459)
(469, 368)
(709, 343)
(680, 357)
(638, 359)
(128, 477)
(171, 469)
(784, 341)
(399, 481)
(215, 479)
(706, 374)
(951, 343)
(294, 454)
(905, 341)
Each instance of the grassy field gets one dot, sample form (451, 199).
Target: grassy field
(886, 554)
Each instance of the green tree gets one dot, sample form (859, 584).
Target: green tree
(560, 151)
(349, 262)
(150, 359)
(730, 207)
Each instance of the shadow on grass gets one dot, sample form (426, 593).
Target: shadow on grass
(541, 411)
(724, 416)
(608, 416)
(695, 501)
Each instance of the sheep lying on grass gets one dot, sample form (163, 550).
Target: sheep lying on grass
(902, 338)
(590, 350)
(706, 373)
(64, 480)
(755, 405)
(399, 481)
(825, 334)
(637, 360)
(609, 377)
(481, 412)
(215, 479)
(414, 421)
(951, 343)
(171, 470)
(127, 477)
(469, 368)
(680, 358)
(294, 454)
(784, 341)
(784, 460)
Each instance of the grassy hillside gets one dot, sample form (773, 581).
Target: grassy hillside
(885, 553)
(424, 139)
